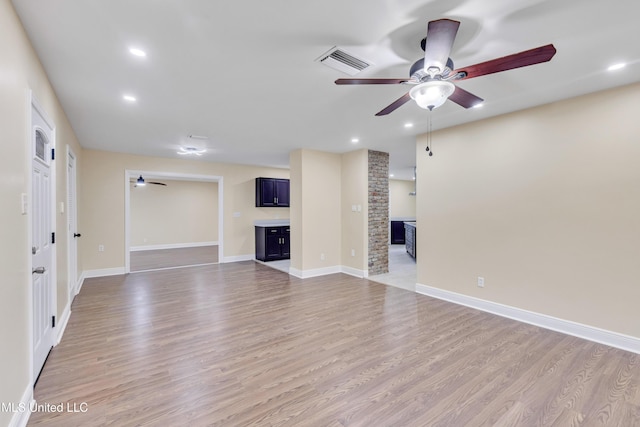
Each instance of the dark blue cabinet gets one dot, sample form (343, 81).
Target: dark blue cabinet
(272, 243)
(272, 192)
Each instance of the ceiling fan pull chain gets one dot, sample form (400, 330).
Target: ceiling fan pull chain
(429, 137)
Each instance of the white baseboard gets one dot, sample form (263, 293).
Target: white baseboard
(238, 258)
(362, 274)
(305, 274)
(590, 333)
(79, 284)
(103, 272)
(171, 246)
(62, 323)
(21, 416)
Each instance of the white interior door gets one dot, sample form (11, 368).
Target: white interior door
(42, 244)
(72, 225)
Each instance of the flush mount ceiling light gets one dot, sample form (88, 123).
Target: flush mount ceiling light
(129, 98)
(615, 67)
(354, 140)
(137, 52)
(408, 125)
(432, 94)
(193, 151)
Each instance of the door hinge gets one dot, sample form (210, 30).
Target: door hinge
(53, 321)
(53, 238)
(53, 154)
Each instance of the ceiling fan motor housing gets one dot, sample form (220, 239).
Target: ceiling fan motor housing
(418, 73)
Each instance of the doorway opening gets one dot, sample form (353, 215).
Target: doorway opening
(172, 220)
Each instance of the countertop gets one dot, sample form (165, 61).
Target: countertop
(271, 222)
(402, 218)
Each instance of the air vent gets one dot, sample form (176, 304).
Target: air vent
(340, 60)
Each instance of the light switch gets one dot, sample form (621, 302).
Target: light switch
(24, 203)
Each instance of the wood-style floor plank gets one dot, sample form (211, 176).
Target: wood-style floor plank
(244, 345)
(170, 258)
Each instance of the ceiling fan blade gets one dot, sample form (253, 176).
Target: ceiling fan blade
(394, 105)
(440, 37)
(509, 62)
(465, 99)
(156, 183)
(371, 81)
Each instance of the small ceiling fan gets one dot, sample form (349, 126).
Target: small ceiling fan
(432, 75)
(141, 182)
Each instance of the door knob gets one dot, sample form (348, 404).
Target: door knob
(38, 270)
(77, 235)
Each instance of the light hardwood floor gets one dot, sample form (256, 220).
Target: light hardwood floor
(245, 345)
(170, 258)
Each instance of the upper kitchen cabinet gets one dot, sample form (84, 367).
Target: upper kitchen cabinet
(272, 192)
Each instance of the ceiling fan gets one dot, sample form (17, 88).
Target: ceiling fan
(432, 75)
(141, 182)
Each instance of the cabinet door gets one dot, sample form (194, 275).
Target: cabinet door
(397, 232)
(273, 245)
(265, 192)
(286, 243)
(282, 192)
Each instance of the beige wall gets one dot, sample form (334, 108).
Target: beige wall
(401, 204)
(320, 199)
(354, 224)
(297, 215)
(544, 204)
(20, 71)
(102, 202)
(181, 212)
(324, 228)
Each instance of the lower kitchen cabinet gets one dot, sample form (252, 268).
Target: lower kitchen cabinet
(397, 232)
(272, 243)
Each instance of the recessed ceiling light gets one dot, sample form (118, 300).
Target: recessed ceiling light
(480, 105)
(129, 98)
(137, 52)
(391, 175)
(408, 125)
(355, 140)
(615, 67)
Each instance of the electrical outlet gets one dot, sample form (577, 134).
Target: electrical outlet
(100, 248)
(480, 282)
(321, 257)
(353, 252)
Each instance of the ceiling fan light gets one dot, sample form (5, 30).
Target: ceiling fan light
(191, 151)
(140, 181)
(432, 94)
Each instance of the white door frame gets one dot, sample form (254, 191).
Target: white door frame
(72, 226)
(33, 103)
(133, 174)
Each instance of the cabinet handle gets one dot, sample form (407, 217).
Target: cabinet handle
(276, 200)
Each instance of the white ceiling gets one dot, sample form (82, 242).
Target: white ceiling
(243, 73)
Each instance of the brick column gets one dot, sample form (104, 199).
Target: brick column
(378, 261)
